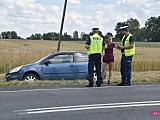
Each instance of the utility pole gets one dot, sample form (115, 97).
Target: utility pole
(62, 22)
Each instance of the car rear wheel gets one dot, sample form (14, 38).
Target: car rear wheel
(30, 77)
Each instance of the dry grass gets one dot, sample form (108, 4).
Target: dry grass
(14, 53)
(145, 59)
(137, 78)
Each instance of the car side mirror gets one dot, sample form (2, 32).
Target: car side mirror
(46, 62)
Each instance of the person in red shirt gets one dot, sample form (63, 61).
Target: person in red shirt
(108, 57)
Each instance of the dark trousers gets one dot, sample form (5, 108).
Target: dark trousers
(94, 60)
(126, 69)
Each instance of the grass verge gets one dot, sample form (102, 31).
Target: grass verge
(137, 78)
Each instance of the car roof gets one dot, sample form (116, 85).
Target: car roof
(69, 52)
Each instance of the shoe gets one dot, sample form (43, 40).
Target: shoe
(121, 84)
(98, 85)
(128, 84)
(108, 82)
(89, 85)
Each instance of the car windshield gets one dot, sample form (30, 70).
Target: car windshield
(42, 59)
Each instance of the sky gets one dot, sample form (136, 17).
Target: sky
(28, 17)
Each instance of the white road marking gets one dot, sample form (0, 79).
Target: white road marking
(88, 107)
(74, 88)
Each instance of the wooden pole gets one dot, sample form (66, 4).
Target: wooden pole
(62, 22)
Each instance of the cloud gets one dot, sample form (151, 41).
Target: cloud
(141, 10)
(27, 16)
(75, 2)
(123, 10)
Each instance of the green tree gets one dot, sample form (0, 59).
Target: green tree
(85, 36)
(66, 37)
(38, 36)
(119, 35)
(153, 29)
(82, 33)
(44, 36)
(13, 35)
(47, 36)
(55, 36)
(75, 35)
(50, 36)
(32, 37)
(10, 35)
(4, 35)
(142, 34)
(133, 28)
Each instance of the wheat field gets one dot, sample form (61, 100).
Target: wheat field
(14, 53)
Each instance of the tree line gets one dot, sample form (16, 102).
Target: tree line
(150, 32)
(9, 35)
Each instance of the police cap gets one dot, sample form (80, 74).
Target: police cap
(95, 29)
(124, 28)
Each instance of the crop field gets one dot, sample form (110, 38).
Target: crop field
(13, 53)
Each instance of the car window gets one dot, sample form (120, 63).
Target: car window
(81, 57)
(61, 59)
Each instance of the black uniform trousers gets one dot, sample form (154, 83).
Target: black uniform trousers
(94, 60)
(126, 62)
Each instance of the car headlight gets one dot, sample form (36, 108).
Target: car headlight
(15, 69)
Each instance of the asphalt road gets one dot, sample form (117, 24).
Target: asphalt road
(106, 103)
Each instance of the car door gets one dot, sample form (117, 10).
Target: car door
(60, 66)
(81, 61)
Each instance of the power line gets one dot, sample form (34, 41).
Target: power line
(126, 5)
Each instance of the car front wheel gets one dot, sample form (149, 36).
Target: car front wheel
(30, 77)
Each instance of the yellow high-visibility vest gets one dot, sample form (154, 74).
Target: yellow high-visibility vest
(128, 52)
(96, 44)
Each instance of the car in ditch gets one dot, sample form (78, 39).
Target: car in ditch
(58, 65)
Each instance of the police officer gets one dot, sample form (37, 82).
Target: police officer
(94, 45)
(128, 50)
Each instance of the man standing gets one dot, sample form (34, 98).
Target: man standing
(128, 50)
(94, 45)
